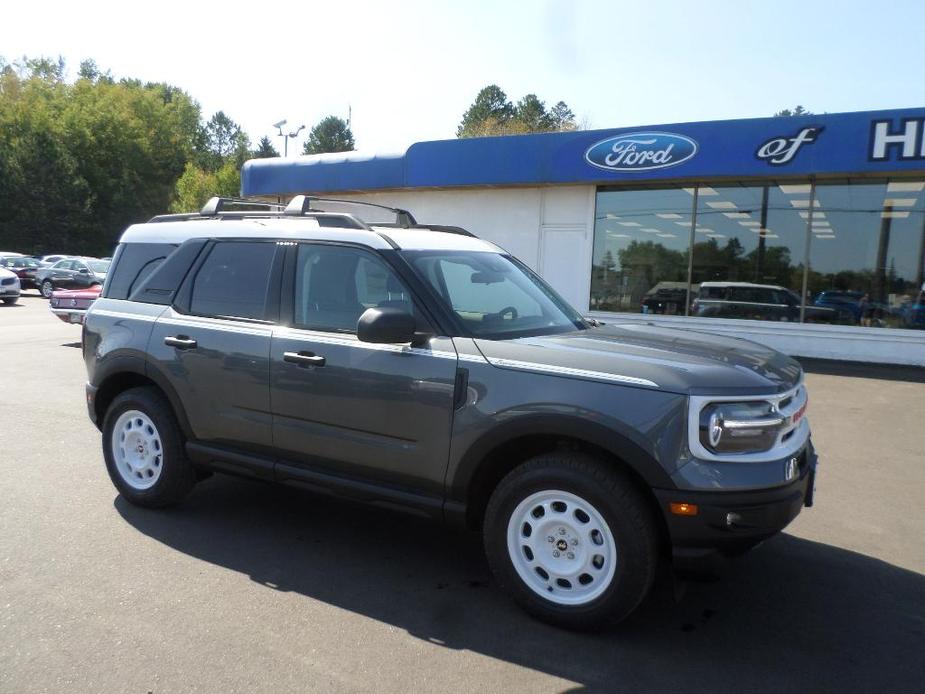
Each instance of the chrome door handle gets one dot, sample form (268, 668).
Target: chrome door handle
(303, 358)
(180, 342)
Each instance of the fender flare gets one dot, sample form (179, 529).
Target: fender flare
(116, 365)
(638, 459)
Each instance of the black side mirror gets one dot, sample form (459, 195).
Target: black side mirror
(386, 326)
(84, 271)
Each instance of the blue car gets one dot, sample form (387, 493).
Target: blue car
(841, 299)
(913, 312)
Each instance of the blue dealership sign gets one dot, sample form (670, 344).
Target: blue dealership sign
(855, 144)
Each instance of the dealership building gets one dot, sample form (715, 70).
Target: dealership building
(805, 233)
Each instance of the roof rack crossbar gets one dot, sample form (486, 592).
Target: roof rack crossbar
(301, 204)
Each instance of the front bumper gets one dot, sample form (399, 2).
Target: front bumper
(729, 523)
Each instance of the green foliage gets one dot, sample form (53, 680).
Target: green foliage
(493, 114)
(81, 161)
(196, 186)
(797, 111)
(331, 134)
(265, 149)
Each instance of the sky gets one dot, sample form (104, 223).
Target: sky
(408, 70)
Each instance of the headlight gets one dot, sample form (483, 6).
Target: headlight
(739, 427)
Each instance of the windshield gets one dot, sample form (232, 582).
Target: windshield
(19, 262)
(493, 295)
(100, 266)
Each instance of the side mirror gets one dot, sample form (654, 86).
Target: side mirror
(84, 271)
(386, 326)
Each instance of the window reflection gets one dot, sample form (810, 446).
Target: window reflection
(868, 243)
(641, 241)
(867, 252)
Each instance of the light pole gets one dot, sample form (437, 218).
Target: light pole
(286, 136)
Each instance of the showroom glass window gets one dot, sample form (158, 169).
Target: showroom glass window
(868, 252)
(866, 259)
(749, 244)
(640, 249)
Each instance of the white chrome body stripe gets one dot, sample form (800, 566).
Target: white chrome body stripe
(567, 371)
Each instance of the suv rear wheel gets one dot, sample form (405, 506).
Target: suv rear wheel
(572, 540)
(143, 448)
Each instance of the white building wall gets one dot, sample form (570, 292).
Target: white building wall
(552, 230)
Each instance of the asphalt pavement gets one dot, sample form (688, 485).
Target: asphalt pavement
(248, 587)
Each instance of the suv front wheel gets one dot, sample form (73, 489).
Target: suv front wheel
(572, 540)
(143, 448)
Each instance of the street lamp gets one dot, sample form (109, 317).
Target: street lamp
(286, 136)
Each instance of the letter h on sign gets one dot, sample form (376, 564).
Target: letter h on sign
(908, 139)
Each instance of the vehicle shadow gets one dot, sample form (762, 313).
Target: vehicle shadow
(793, 615)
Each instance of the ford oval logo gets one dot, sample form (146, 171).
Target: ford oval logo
(641, 151)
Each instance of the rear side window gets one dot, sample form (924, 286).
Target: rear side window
(233, 280)
(130, 264)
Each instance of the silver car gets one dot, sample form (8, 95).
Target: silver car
(9, 287)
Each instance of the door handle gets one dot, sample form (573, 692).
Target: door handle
(303, 358)
(180, 342)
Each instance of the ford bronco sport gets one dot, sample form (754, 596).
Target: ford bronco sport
(420, 367)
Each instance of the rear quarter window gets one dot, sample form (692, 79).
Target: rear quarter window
(131, 264)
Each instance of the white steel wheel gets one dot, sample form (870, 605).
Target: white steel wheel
(561, 547)
(137, 450)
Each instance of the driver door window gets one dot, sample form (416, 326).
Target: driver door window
(334, 285)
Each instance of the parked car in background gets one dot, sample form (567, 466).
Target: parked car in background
(9, 254)
(9, 287)
(70, 305)
(912, 313)
(49, 260)
(23, 267)
(667, 298)
(761, 302)
(845, 299)
(72, 273)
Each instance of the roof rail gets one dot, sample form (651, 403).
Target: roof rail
(302, 204)
(446, 229)
(216, 204)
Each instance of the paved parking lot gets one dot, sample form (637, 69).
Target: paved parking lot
(248, 588)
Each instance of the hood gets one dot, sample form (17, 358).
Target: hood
(681, 361)
(4, 273)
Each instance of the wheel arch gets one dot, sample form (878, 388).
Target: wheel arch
(130, 372)
(498, 452)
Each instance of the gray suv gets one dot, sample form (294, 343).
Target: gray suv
(419, 367)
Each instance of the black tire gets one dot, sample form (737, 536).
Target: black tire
(46, 288)
(177, 476)
(9, 301)
(616, 499)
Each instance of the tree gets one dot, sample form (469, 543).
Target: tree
(491, 106)
(220, 139)
(562, 117)
(493, 114)
(797, 111)
(265, 149)
(531, 113)
(81, 161)
(331, 134)
(196, 186)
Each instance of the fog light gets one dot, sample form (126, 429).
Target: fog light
(732, 519)
(683, 509)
